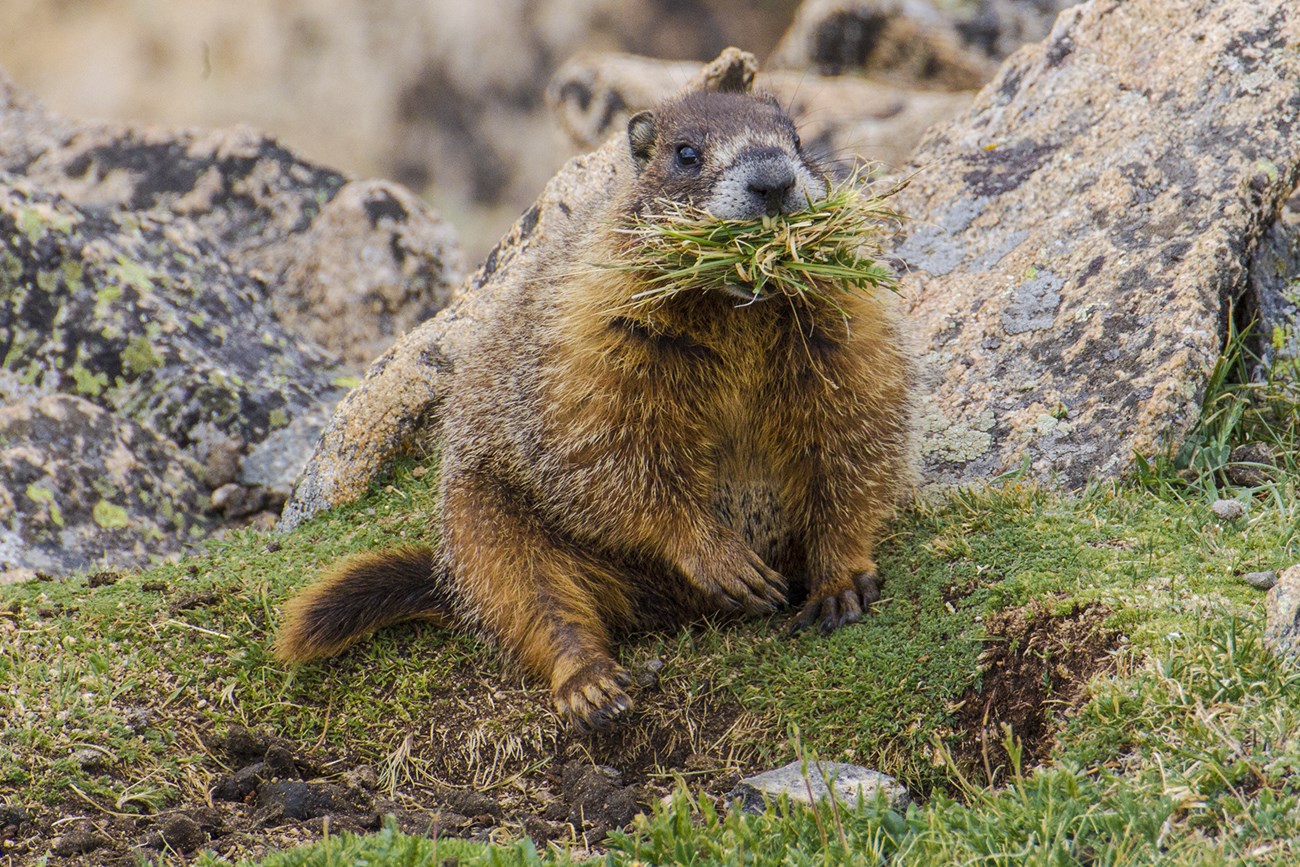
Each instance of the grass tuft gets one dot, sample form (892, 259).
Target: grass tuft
(1247, 436)
(832, 247)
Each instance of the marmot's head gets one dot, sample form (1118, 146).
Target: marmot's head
(737, 156)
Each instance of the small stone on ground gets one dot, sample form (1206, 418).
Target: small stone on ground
(1262, 580)
(1228, 510)
(852, 784)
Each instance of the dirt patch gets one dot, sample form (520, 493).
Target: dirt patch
(1035, 667)
(489, 760)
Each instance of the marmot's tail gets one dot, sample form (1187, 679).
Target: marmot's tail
(363, 593)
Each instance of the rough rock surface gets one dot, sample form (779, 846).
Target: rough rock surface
(1075, 240)
(375, 263)
(1077, 237)
(927, 39)
(593, 95)
(442, 96)
(1274, 295)
(816, 781)
(78, 484)
(137, 312)
(165, 277)
(314, 244)
(394, 408)
(1261, 580)
(1282, 615)
(904, 41)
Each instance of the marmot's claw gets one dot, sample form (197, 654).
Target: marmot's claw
(868, 588)
(592, 698)
(834, 610)
(740, 580)
(765, 586)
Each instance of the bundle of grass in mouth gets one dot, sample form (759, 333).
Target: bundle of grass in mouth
(831, 247)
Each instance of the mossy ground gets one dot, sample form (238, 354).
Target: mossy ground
(1177, 741)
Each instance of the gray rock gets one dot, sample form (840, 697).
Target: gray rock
(816, 781)
(908, 41)
(374, 263)
(276, 462)
(1076, 237)
(1228, 510)
(1262, 580)
(80, 485)
(221, 466)
(165, 277)
(139, 314)
(853, 35)
(1273, 295)
(1282, 615)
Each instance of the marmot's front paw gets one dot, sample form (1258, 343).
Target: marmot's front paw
(739, 580)
(593, 696)
(838, 608)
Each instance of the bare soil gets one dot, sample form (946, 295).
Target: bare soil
(1036, 666)
(519, 774)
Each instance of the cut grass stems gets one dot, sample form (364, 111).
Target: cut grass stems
(832, 247)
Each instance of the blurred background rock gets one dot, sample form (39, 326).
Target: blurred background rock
(447, 97)
(443, 96)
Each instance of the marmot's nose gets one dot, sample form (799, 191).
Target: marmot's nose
(770, 181)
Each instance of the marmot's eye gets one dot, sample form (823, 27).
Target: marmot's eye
(798, 142)
(687, 155)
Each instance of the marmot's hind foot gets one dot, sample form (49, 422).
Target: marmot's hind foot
(832, 610)
(593, 697)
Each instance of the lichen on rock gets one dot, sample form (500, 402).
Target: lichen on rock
(197, 288)
(1079, 235)
(80, 484)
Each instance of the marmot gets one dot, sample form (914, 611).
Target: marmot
(608, 467)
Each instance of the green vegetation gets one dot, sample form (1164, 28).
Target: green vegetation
(831, 247)
(1171, 741)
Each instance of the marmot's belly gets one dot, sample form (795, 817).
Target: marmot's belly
(754, 510)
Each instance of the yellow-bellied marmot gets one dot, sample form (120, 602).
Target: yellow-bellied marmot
(609, 467)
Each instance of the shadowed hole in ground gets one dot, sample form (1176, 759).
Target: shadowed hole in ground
(1036, 665)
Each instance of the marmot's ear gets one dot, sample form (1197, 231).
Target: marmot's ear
(641, 134)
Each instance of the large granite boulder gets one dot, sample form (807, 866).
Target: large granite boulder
(904, 41)
(205, 290)
(316, 244)
(1078, 238)
(1075, 240)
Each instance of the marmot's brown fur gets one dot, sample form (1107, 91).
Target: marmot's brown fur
(608, 467)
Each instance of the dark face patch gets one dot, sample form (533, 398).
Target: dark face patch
(684, 145)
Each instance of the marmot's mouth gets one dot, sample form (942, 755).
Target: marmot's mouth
(829, 248)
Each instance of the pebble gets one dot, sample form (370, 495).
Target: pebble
(1262, 580)
(852, 784)
(1228, 510)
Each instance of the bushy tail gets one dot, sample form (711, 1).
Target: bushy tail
(360, 594)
